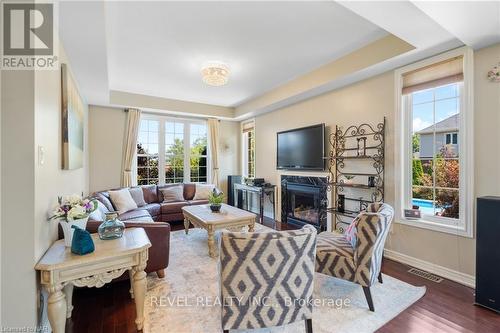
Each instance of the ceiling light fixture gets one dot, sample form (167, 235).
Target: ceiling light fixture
(215, 73)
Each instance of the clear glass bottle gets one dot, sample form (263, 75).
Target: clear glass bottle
(111, 228)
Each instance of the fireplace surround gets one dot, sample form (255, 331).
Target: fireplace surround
(304, 201)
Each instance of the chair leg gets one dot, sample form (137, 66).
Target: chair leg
(380, 277)
(368, 296)
(309, 326)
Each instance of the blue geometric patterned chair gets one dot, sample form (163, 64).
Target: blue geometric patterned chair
(267, 278)
(361, 263)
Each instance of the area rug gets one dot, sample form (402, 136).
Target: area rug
(186, 300)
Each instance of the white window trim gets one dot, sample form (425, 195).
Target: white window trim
(244, 148)
(161, 146)
(464, 225)
(451, 135)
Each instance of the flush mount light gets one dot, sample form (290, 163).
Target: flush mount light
(215, 73)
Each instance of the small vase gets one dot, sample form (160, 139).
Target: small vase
(68, 230)
(112, 227)
(215, 208)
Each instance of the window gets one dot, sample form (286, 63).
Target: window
(147, 152)
(451, 138)
(435, 164)
(198, 153)
(174, 152)
(177, 146)
(248, 140)
(434, 171)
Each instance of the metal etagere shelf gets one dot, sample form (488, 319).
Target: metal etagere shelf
(356, 170)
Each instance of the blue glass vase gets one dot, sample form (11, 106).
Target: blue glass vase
(111, 228)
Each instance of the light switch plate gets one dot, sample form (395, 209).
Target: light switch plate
(41, 155)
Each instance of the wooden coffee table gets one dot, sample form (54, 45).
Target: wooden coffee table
(229, 217)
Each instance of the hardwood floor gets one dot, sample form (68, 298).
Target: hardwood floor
(446, 307)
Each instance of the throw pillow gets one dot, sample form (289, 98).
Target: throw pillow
(122, 200)
(173, 193)
(138, 196)
(203, 191)
(99, 213)
(350, 233)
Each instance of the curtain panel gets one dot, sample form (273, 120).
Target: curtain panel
(129, 146)
(213, 130)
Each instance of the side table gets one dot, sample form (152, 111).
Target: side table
(60, 270)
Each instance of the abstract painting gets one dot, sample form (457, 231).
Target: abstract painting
(72, 122)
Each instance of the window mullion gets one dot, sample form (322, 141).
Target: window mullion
(161, 152)
(434, 151)
(187, 152)
(408, 192)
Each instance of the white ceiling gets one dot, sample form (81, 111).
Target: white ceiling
(158, 48)
(476, 24)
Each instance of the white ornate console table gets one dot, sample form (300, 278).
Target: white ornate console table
(60, 270)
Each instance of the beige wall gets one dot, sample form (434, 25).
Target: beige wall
(229, 160)
(51, 180)
(371, 100)
(106, 132)
(31, 117)
(18, 199)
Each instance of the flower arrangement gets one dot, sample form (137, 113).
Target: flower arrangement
(494, 74)
(73, 207)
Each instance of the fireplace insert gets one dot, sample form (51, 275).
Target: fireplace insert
(304, 201)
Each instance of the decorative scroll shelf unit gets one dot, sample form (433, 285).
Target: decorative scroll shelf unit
(356, 170)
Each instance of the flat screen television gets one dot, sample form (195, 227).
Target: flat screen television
(301, 148)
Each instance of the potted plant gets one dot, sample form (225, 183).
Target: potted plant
(215, 199)
(73, 210)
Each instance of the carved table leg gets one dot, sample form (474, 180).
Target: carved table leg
(139, 293)
(186, 225)
(68, 291)
(131, 277)
(211, 243)
(251, 227)
(57, 308)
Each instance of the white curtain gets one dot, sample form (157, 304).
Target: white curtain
(213, 130)
(129, 146)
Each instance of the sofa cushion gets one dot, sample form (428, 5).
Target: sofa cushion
(203, 191)
(189, 191)
(122, 200)
(172, 193)
(138, 196)
(150, 193)
(135, 214)
(198, 202)
(154, 209)
(160, 187)
(173, 207)
(104, 198)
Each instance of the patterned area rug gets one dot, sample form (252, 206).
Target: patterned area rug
(186, 300)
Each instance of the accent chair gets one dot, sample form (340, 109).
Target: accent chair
(267, 278)
(360, 262)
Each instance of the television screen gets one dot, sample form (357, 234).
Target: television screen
(302, 148)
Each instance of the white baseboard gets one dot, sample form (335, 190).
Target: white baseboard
(447, 273)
